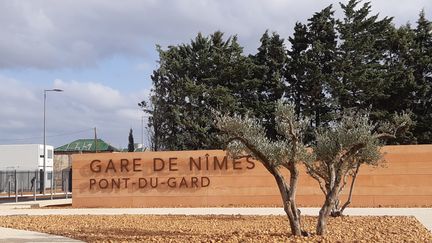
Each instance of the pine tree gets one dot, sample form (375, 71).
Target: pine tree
(360, 61)
(320, 57)
(399, 86)
(270, 62)
(310, 68)
(422, 65)
(360, 82)
(193, 79)
(296, 68)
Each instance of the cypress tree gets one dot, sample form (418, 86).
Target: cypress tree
(131, 145)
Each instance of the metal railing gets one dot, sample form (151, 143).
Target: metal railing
(27, 185)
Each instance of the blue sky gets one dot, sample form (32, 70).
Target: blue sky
(119, 72)
(102, 54)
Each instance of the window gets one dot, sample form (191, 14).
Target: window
(50, 153)
(49, 175)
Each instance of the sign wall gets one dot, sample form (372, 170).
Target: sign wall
(209, 178)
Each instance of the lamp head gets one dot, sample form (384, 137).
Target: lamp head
(56, 90)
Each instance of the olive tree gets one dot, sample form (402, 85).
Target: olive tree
(247, 136)
(341, 149)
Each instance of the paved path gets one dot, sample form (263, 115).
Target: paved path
(35, 204)
(22, 236)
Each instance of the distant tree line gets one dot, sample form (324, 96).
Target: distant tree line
(358, 62)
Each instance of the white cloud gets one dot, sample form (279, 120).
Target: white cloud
(70, 34)
(91, 94)
(13, 89)
(82, 106)
(76, 33)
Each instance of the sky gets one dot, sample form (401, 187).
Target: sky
(102, 53)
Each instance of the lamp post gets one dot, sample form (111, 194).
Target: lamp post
(44, 135)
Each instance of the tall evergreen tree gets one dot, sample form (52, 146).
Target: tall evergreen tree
(399, 87)
(310, 68)
(193, 79)
(320, 57)
(270, 62)
(422, 65)
(296, 68)
(360, 61)
(360, 82)
(131, 144)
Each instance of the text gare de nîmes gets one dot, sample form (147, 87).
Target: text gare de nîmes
(208, 163)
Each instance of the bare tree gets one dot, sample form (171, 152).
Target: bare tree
(153, 124)
(341, 149)
(246, 136)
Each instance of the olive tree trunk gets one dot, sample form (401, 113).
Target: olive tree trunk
(326, 210)
(288, 198)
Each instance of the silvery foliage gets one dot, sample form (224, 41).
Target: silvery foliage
(400, 124)
(335, 142)
(352, 140)
(246, 136)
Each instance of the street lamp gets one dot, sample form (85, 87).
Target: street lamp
(44, 135)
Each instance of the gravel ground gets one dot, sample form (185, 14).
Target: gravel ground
(132, 228)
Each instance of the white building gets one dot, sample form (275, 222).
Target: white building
(27, 157)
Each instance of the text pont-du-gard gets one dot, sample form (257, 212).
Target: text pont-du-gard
(124, 166)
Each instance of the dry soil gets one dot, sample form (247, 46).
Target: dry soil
(133, 228)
